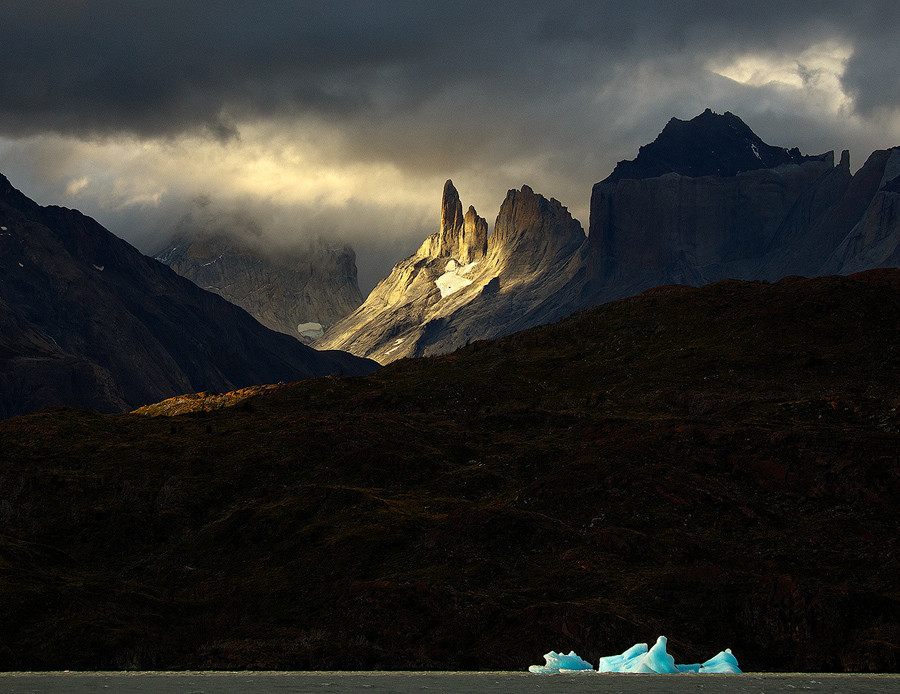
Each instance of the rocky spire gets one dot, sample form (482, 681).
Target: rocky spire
(463, 238)
(451, 213)
(473, 242)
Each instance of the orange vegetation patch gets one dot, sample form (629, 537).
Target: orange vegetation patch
(203, 401)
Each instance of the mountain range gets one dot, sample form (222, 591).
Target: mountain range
(462, 285)
(86, 320)
(707, 200)
(717, 464)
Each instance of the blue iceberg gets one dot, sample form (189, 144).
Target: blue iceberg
(724, 661)
(638, 659)
(555, 663)
(656, 660)
(624, 662)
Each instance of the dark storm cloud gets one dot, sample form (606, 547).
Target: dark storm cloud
(162, 68)
(492, 94)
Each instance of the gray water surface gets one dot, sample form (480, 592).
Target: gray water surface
(434, 682)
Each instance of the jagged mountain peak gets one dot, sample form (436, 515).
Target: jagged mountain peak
(678, 213)
(461, 285)
(461, 237)
(709, 144)
(451, 209)
(845, 159)
(528, 221)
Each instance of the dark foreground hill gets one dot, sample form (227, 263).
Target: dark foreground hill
(719, 465)
(86, 320)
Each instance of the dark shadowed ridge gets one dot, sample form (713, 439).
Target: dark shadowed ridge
(719, 465)
(88, 321)
(707, 145)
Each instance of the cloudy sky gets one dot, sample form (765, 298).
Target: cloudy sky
(341, 120)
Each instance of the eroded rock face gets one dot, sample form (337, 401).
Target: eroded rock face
(708, 200)
(532, 231)
(874, 239)
(86, 320)
(291, 291)
(461, 285)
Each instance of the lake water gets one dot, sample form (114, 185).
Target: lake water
(429, 683)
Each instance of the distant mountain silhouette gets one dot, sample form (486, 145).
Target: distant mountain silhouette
(298, 291)
(708, 145)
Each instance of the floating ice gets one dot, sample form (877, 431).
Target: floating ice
(694, 667)
(655, 660)
(724, 661)
(557, 662)
(620, 663)
(638, 659)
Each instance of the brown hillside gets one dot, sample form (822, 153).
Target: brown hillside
(719, 465)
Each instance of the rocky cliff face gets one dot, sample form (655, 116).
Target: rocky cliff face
(708, 200)
(88, 321)
(532, 232)
(874, 237)
(299, 292)
(461, 285)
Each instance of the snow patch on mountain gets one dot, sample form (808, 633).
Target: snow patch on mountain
(452, 280)
(311, 330)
